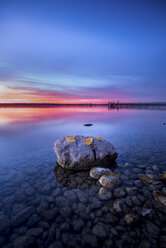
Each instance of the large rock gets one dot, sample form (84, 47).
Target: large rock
(76, 155)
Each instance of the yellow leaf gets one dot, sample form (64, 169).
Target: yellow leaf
(71, 139)
(100, 139)
(146, 179)
(88, 141)
(164, 176)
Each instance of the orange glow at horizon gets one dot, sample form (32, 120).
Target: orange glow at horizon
(34, 95)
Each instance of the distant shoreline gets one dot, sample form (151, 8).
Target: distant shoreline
(47, 105)
(109, 104)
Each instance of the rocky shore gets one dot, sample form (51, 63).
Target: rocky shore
(124, 207)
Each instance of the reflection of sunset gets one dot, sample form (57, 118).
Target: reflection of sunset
(28, 115)
(13, 115)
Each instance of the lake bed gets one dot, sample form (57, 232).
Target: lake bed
(44, 205)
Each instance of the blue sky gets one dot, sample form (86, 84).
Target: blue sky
(82, 51)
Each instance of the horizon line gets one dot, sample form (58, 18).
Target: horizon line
(110, 102)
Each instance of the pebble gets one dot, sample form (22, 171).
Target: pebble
(138, 183)
(127, 165)
(97, 172)
(34, 219)
(99, 231)
(156, 168)
(21, 230)
(89, 240)
(151, 176)
(146, 211)
(136, 200)
(145, 244)
(131, 219)
(56, 192)
(108, 181)
(131, 190)
(141, 166)
(70, 195)
(22, 216)
(65, 212)
(78, 225)
(24, 241)
(137, 170)
(42, 207)
(163, 191)
(65, 227)
(129, 201)
(4, 226)
(104, 194)
(152, 229)
(35, 232)
(62, 201)
(118, 206)
(49, 215)
(119, 192)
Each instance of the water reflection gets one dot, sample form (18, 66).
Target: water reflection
(36, 115)
(29, 133)
(44, 205)
(73, 179)
(31, 114)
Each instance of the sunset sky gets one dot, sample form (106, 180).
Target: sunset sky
(79, 51)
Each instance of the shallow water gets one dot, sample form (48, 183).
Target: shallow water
(42, 205)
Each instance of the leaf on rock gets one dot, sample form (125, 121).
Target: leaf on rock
(99, 138)
(71, 139)
(160, 198)
(146, 179)
(88, 141)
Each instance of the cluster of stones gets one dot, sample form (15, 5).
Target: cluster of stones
(109, 190)
(66, 209)
(107, 179)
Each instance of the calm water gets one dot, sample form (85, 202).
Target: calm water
(30, 181)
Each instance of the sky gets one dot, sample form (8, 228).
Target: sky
(82, 51)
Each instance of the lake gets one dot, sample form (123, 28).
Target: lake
(43, 205)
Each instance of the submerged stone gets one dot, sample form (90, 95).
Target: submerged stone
(99, 231)
(146, 211)
(131, 190)
(127, 165)
(97, 172)
(118, 206)
(119, 192)
(22, 216)
(78, 225)
(82, 153)
(24, 241)
(131, 219)
(104, 194)
(108, 181)
(152, 229)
